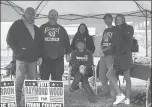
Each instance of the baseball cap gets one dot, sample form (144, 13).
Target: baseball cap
(79, 41)
(107, 15)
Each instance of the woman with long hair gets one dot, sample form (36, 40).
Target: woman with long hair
(83, 34)
(122, 58)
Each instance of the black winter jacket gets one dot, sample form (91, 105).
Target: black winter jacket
(23, 46)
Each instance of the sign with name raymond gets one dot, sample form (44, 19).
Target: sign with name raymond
(8, 98)
(44, 93)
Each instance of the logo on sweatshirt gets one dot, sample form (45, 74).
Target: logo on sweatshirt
(106, 38)
(52, 29)
(85, 58)
(52, 34)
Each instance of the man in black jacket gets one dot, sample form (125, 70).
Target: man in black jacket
(56, 45)
(27, 45)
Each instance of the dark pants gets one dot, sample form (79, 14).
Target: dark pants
(85, 83)
(55, 67)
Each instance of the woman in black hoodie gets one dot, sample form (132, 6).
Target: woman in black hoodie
(122, 57)
(83, 34)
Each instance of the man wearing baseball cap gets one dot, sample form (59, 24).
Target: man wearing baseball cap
(106, 59)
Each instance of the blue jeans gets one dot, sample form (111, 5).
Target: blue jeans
(104, 64)
(24, 70)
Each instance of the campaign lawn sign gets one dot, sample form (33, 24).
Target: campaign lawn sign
(44, 93)
(7, 94)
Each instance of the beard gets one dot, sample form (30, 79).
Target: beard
(53, 20)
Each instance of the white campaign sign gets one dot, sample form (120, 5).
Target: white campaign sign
(44, 93)
(8, 98)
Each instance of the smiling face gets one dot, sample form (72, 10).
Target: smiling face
(80, 46)
(82, 29)
(119, 20)
(108, 21)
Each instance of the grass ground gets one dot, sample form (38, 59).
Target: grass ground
(78, 98)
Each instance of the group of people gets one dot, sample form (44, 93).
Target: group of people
(47, 45)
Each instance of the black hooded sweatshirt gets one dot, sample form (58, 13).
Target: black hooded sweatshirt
(122, 48)
(24, 47)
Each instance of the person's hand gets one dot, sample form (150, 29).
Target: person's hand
(39, 61)
(82, 69)
(102, 54)
(68, 57)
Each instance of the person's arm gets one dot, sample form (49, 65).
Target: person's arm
(101, 46)
(107, 48)
(41, 41)
(68, 48)
(11, 38)
(127, 40)
(73, 43)
(90, 62)
(41, 46)
(74, 61)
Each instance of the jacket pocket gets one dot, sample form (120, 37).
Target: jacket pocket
(20, 53)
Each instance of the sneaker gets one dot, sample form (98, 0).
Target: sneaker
(119, 98)
(126, 101)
